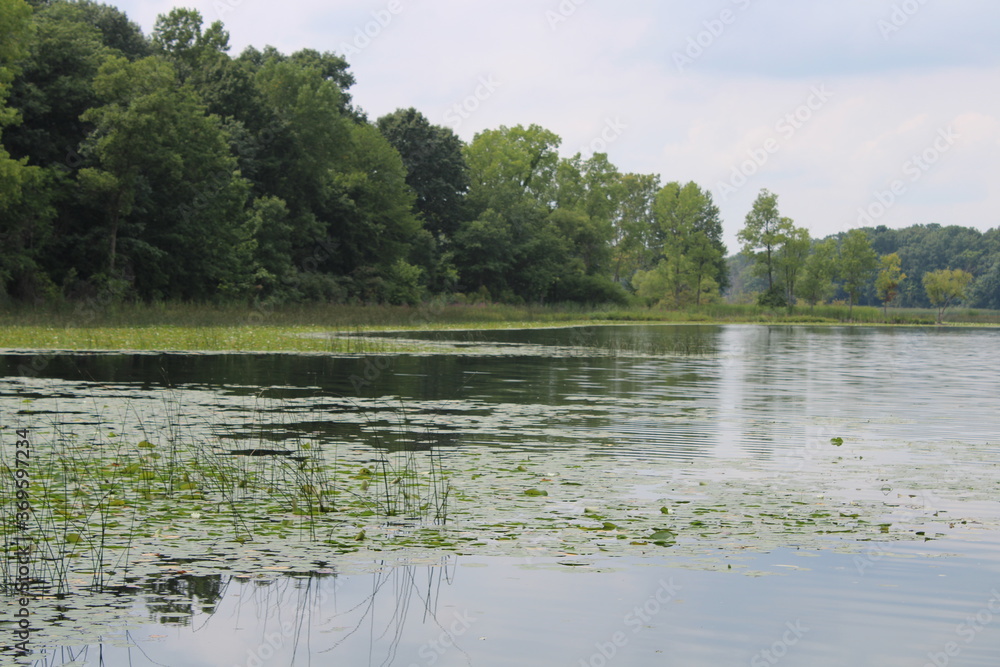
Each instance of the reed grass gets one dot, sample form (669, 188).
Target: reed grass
(95, 498)
(339, 329)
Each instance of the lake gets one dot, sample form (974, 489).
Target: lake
(619, 495)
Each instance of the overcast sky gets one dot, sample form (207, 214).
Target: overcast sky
(852, 111)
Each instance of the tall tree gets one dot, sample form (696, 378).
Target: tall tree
(160, 169)
(690, 231)
(946, 287)
(513, 165)
(25, 210)
(857, 264)
(764, 232)
(890, 276)
(790, 259)
(818, 272)
(179, 37)
(435, 167)
(633, 241)
(513, 189)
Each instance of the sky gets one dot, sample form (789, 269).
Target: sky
(854, 112)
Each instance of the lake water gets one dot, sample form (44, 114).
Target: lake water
(627, 495)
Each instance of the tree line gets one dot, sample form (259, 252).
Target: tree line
(919, 266)
(160, 167)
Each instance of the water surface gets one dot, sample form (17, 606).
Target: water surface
(838, 479)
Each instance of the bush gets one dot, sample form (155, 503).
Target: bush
(589, 290)
(773, 298)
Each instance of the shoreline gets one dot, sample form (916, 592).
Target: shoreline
(352, 340)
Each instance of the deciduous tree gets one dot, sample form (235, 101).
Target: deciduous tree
(857, 264)
(946, 287)
(890, 276)
(762, 236)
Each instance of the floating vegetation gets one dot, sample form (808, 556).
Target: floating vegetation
(108, 509)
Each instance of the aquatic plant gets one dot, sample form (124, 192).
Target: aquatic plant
(95, 499)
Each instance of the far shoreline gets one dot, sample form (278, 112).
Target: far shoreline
(346, 329)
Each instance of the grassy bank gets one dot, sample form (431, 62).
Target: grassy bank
(309, 328)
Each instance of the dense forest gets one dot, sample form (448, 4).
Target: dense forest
(160, 167)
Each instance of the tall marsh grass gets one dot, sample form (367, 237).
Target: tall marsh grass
(95, 499)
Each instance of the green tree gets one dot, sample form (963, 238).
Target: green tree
(857, 264)
(25, 210)
(945, 287)
(513, 190)
(485, 251)
(55, 86)
(690, 232)
(816, 283)
(435, 167)
(513, 165)
(160, 169)
(178, 35)
(986, 290)
(633, 243)
(763, 234)
(890, 276)
(587, 194)
(373, 219)
(790, 259)
(296, 159)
